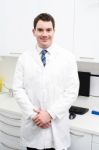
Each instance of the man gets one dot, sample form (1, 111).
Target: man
(45, 85)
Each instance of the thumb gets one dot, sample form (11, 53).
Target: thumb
(37, 111)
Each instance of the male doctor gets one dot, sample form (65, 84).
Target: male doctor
(45, 86)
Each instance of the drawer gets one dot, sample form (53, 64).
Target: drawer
(10, 129)
(7, 147)
(96, 139)
(80, 140)
(95, 146)
(10, 114)
(11, 141)
(10, 120)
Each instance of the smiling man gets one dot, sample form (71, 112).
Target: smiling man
(44, 32)
(45, 86)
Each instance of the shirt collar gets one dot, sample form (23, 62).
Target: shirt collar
(49, 50)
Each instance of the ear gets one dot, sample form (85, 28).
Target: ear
(33, 31)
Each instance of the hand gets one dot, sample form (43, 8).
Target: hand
(42, 119)
(47, 125)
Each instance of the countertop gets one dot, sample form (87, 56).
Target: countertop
(88, 122)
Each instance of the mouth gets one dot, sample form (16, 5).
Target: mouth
(44, 40)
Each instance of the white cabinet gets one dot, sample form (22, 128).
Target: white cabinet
(83, 141)
(77, 26)
(86, 33)
(95, 146)
(80, 140)
(17, 21)
(95, 142)
(10, 131)
(16, 25)
(63, 12)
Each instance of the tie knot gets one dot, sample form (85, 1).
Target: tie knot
(44, 51)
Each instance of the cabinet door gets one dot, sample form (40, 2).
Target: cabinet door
(86, 34)
(95, 142)
(95, 146)
(63, 12)
(16, 25)
(80, 141)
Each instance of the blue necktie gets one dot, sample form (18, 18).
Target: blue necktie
(43, 57)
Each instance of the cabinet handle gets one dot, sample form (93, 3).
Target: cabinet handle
(76, 134)
(9, 147)
(13, 53)
(9, 124)
(9, 134)
(87, 57)
(9, 117)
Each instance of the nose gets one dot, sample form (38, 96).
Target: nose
(44, 33)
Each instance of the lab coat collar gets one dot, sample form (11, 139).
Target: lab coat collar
(49, 49)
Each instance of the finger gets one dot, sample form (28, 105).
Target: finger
(36, 120)
(39, 124)
(47, 125)
(37, 111)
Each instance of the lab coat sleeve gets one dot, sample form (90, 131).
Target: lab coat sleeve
(68, 94)
(20, 93)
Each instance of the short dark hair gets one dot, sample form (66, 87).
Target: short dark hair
(44, 17)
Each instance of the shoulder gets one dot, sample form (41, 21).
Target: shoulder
(65, 53)
(25, 55)
(24, 58)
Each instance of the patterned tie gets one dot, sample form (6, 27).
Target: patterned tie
(43, 57)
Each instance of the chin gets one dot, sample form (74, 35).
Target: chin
(46, 45)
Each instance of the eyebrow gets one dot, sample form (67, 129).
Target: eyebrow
(42, 29)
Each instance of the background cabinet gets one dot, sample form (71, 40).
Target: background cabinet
(16, 27)
(95, 142)
(10, 131)
(95, 146)
(80, 141)
(83, 141)
(17, 23)
(86, 33)
(63, 12)
(77, 25)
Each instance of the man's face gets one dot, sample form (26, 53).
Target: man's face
(44, 33)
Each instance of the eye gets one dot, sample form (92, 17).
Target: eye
(40, 29)
(49, 30)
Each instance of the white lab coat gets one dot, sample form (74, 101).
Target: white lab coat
(53, 88)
